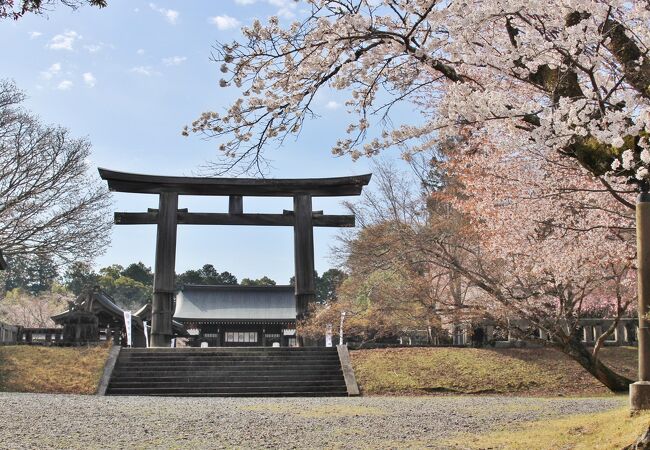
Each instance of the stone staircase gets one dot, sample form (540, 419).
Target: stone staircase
(228, 372)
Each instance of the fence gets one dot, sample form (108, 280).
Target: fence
(16, 335)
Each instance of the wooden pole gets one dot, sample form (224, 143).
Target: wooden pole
(303, 239)
(235, 204)
(163, 284)
(640, 391)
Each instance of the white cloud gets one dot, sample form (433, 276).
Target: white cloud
(89, 79)
(53, 70)
(170, 15)
(34, 34)
(93, 48)
(174, 60)
(286, 8)
(65, 85)
(64, 41)
(224, 22)
(146, 71)
(332, 105)
(140, 51)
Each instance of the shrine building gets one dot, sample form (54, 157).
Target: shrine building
(237, 316)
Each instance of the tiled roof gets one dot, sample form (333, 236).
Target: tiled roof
(195, 302)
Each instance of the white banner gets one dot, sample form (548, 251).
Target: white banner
(328, 335)
(146, 333)
(127, 325)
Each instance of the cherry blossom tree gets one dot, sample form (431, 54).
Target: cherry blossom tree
(11, 9)
(33, 311)
(568, 75)
(534, 243)
(552, 97)
(562, 248)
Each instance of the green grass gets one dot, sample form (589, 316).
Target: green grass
(65, 370)
(601, 431)
(536, 372)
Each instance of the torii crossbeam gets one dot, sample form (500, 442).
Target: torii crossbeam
(167, 217)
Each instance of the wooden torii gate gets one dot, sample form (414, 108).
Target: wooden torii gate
(167, 217)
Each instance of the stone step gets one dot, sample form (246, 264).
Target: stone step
(226, 352)
(192, 378)
(252, 371)
(279, 350)
(145, 384)
(287, 393)
(279, 372)
(226, 364)
(226, 359)
(188, 390)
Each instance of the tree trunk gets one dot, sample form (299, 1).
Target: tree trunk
(576, 350)
(601, 339)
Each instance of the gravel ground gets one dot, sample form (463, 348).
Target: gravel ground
(71, 421)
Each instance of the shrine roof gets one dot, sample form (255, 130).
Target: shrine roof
(233, 302)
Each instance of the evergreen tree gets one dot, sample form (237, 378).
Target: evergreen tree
(139, 272)
(206, 275)
(264, 281)
(32, 274)
(80, 276)
(328, 283)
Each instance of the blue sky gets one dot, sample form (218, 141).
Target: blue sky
(129, 77)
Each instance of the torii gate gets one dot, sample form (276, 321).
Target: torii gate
(168, 216)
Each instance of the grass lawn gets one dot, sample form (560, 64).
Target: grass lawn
(65, 370)
(602, 431)
(404, 371)
(537, 372)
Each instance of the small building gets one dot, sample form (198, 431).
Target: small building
(231, 315)
(107, 320)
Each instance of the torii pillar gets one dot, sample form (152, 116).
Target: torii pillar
(163, 281)
(303, 248)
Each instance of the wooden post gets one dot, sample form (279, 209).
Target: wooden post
(163, 284)
(303, 239)
(640, 391)
(235, 204)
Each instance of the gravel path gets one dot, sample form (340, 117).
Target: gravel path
(70, 421)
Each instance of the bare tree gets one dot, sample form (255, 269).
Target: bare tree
(50, 205)
(396, 219)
